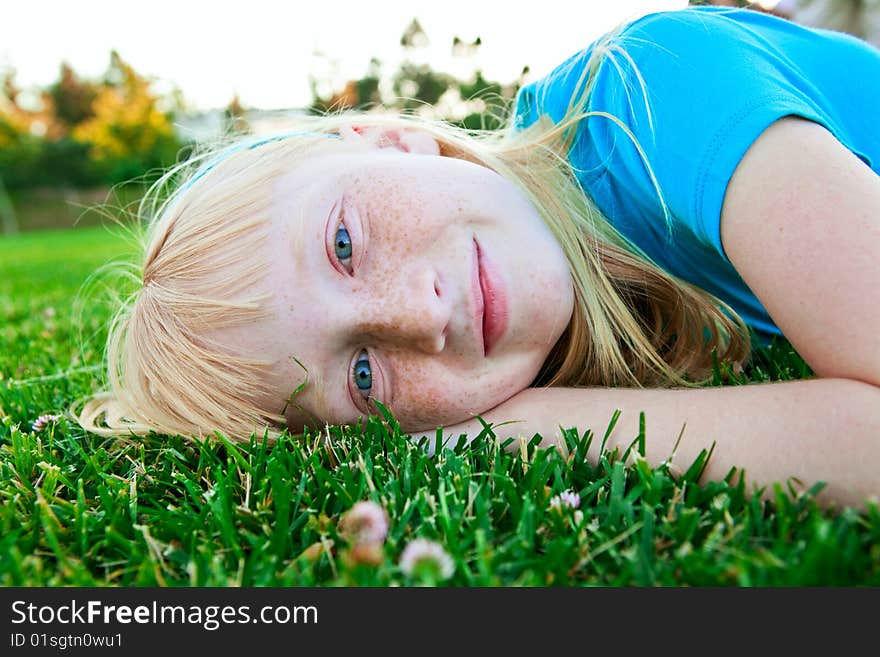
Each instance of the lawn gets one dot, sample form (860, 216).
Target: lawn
(87, 511)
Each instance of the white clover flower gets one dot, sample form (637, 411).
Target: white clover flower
(365, 523)
(565, 500)
(423, 553)
(43, 420)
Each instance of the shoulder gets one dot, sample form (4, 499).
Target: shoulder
(738, 42)
(644, 47)
(799, 224)
(701, 22)
(682, 30)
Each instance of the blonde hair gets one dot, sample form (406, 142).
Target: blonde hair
(634, 324)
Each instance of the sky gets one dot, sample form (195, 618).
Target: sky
(264, 51)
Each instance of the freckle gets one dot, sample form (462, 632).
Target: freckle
(290, 308)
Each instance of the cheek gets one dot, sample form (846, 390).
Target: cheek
(402, 214)
(428, 395)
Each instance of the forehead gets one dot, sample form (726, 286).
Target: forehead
(350, 162)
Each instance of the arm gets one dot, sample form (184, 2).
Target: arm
(801, 224)
(816, 430)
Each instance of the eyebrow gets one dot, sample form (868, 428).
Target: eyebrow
(320, 407)
(296, 247)
(324, 409)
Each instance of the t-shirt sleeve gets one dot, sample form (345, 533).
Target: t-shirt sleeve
(694, 91)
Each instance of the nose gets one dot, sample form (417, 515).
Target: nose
(416, 312)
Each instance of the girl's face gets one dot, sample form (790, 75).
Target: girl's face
(425, 282)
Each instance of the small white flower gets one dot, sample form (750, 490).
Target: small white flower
(565, 500)
(366, 522)
(43, 420)
(423, 553)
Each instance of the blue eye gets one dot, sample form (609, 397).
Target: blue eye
(342, 245)
(362, 373)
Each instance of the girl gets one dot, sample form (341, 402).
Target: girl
(690, 179)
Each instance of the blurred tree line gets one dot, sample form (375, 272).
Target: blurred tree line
(81, 133)
(473, 103)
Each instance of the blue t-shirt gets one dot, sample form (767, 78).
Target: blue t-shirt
(713, 79)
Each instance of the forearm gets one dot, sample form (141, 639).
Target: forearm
(814, 430)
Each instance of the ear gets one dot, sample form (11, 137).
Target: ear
(401, 139)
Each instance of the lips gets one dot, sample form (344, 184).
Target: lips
(494, 300)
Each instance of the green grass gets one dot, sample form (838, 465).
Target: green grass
(85, 511)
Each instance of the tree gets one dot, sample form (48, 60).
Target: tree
(128, 132)
(418, 84)
(414, 36)
(22, 134)
(84, 132)
(73, 97)
(235, 116)
(418, 88)
(361, 94)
